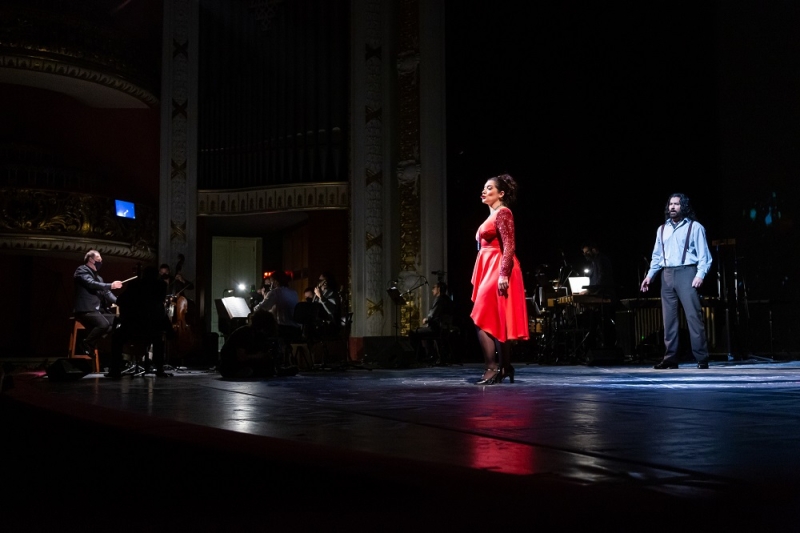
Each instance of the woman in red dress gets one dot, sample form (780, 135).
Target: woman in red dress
(498, 293)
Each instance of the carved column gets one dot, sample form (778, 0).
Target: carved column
(178, 205)
(398, 226)
(371, 168)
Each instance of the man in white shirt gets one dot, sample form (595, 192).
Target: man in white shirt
(681, 252)
(281, 300)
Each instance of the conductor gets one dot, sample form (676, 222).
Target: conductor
(93, 300)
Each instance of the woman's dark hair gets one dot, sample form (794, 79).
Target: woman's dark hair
(508, 186)
(686, 207)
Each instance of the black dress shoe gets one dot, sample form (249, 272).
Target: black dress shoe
(702, 365)
(664, 364)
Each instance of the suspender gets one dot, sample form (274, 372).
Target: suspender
(685, 245)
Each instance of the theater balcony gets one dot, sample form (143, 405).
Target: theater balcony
(79, 130)
(68, 223)
(86, 50)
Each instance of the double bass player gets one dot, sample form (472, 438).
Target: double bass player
(180, 309)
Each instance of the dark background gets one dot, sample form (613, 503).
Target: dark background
(602, 110)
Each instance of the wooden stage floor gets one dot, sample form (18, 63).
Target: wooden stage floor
(424, 448)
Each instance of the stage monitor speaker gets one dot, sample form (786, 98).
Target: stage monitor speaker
(401, 354)
(69, 369)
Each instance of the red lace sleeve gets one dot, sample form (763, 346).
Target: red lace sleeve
(505, 227)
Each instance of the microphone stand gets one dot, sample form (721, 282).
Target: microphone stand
(395, 350)
(561, 278)
(562, 282)
(399, 299)
(423, 281)
(724, 296)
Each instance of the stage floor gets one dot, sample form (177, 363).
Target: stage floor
(627, 441)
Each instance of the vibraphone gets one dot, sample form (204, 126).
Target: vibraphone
(648, 320)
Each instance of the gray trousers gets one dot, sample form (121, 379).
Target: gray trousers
(676, 286)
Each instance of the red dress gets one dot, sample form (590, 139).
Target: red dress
(503, 316)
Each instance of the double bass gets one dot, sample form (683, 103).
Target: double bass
(183, 338)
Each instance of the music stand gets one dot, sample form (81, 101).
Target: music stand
(397, 297)
(396, 348)
(232, 312)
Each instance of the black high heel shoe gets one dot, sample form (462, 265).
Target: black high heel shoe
(509, 371)
(492, 380)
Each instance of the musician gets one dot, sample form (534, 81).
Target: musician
(441, 310)
(601, 273)
(681, 252)
(93, 300)
(281, 300)
(326, 293)
(601, 325)
(142, 317)
(175, 284)
(251, 350)
(308, 294)
(257, 296)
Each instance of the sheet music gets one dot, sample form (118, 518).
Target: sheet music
(577, 283)
(237, 307)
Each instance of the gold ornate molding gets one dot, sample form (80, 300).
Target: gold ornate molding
(50, 40)
(408, 167)
(265, 11)
(301, 197)
(60, 67)
(63, 221)
(73, 245)
(374, 307)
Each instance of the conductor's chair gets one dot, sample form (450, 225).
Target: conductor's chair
(73, 340)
